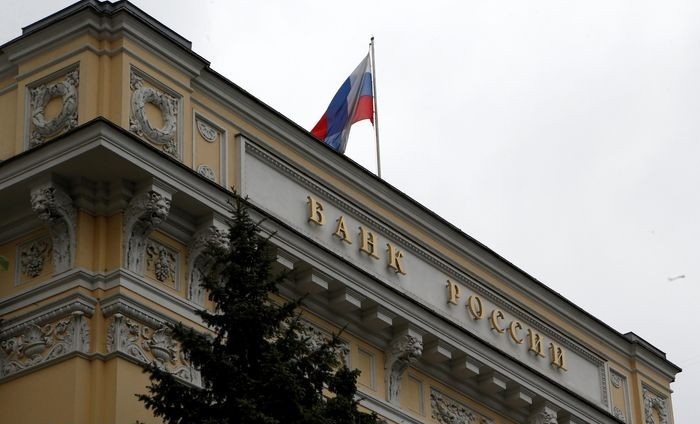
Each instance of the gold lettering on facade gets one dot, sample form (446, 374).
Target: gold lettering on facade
(496, 315)
(393, 257)
(513, 331)
(535, 342)
(367, 243)
(475, 307)
(452, 292)
(557, 354)
(341, 231)
(315, 211)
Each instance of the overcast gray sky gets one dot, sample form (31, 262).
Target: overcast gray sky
(562, 134)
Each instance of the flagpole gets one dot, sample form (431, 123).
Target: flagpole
(374, 100)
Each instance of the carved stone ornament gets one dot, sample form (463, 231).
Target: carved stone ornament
(403, 351)
(67, 118)
(446, 410)
(58, 333)
(55, 208)
(149, 345)
(143, 214)
(201, 251)
(315, 338)
(162, 261)
(207, 132)
(543, 417)
(616, 380)
(206, 172)
(33, 256)
(652, 402)
(166, 136)
(617, 412)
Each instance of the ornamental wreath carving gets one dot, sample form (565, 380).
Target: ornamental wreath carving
(149, 345)
(43, 339)
(446, 410)
(42, 128)
(166, 136)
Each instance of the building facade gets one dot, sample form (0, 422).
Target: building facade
(119, 146)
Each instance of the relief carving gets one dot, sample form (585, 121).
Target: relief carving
(145, 212)
(316, 337)
(446, 410)
(201, 252)
(162, 261)
(33, 343)
(616, 380)
(67, 118)
(654, 402)
(206, 172)
(166, 136)
(55, 207)
(404, 351)
(617, 412)
(149, 345)
(543, 417)
(207, 132)
(33, 256)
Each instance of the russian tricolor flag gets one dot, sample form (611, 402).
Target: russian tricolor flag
(353, 102)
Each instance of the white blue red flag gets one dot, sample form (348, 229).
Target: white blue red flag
(353, 102)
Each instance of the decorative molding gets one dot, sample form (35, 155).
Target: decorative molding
(206, 172)
(30, 342)
(33, 256)
(403, 351)
(316, 337)
(467, 280)
(147, 340)
(144, 213)
(55, 207)
(653, 401)
(446, 410)
(617, 412)
(543, 413)
(42, 129)
(166, 136)
(616, 380)
(543, 417)
(162, 262)
(201, 250)
(207, 132)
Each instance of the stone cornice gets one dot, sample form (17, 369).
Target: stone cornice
(403, 206)
(124, 19)
(105, 21)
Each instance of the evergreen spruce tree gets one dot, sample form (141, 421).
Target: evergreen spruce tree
(257, 365)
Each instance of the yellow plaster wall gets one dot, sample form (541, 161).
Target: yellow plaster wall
(54, 394)
(8, 119)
